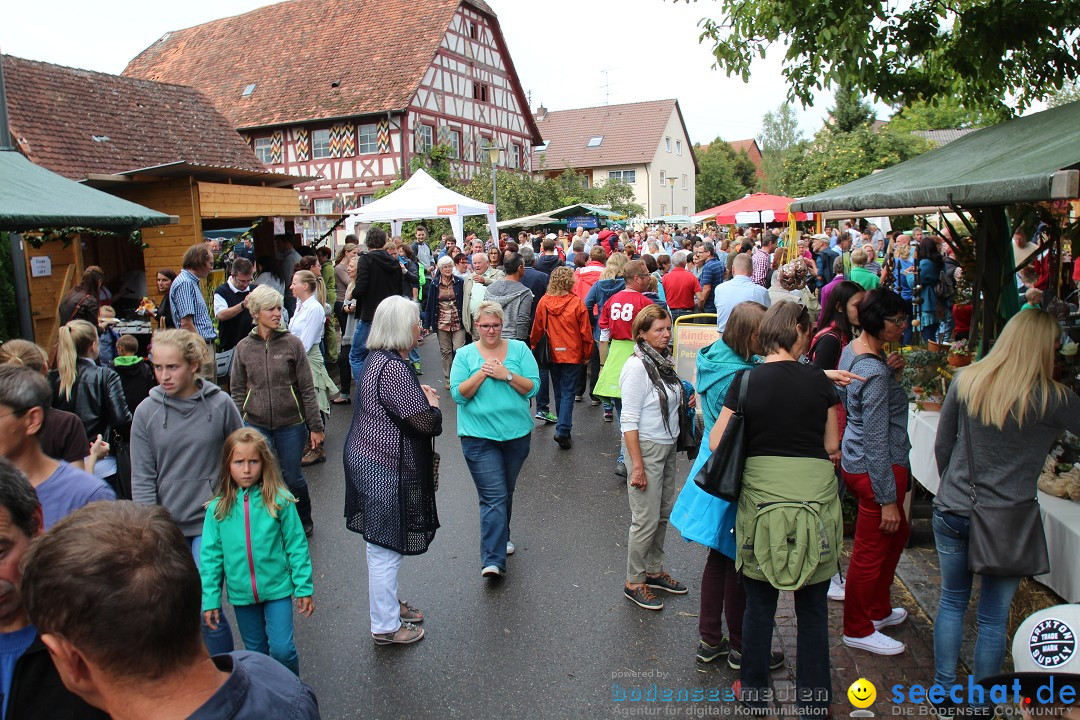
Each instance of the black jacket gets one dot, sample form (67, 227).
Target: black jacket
(97, 398)
(431, 300)
(137, 380)
(38, 693)
(378, 276)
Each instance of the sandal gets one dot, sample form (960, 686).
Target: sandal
(405, 635)
(341, 401)
(409, 613)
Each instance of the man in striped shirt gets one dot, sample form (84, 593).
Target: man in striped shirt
(763, 261)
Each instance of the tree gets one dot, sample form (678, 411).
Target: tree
(944, 114)
(976, 51)
(723, 175)
(851, 112)
(835, 158)
(1069, 92)
(780, 135)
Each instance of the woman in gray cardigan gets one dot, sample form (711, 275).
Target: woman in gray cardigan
(1013, 411)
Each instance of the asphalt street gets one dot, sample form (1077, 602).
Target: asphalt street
(555, 639)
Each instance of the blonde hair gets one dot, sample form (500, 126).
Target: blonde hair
(561, 281)
(314, 283)
(1017, 375)
(903, 251)
(613, 268)
(858, 257)
(192, 347)
(490, 307)
(274, 491)
(74, 341)
(263, 297)
(107, 311)
(23, 352)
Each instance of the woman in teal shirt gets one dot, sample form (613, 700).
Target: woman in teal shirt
(491, 381)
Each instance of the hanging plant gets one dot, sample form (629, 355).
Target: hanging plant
(39, 237)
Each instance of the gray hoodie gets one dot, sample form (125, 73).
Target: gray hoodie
(516, 301)
(176, 451)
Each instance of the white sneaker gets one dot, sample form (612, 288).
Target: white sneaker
(493, 571)
(510, 548)
(897, 616)
(837, 588)
(877, 643)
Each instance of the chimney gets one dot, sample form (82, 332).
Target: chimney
(541, 113)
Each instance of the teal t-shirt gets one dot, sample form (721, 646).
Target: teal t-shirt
(497, 411)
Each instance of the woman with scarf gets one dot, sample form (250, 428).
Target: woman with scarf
(652, 397)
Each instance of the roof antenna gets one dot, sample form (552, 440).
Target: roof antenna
(606, 87)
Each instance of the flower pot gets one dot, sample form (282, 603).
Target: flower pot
(957, 361)
(934, 346)
(931, 404)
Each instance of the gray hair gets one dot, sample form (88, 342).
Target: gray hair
(490, 307)
(679, 258)
(528, 255)
(263, 297)
(22, 388)
(392, 326)
(444, 260)
(579, 246)
(480, 257)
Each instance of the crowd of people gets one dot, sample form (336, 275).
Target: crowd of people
(806, 361)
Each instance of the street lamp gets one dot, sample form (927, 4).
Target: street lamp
(671, 182)
(493, 151)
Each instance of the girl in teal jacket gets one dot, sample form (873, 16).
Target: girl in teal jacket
(252, 535)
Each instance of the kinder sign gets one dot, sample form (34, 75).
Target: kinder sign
(689, 339)
(446, 210)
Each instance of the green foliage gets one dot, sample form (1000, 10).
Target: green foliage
(851, 112)
(976, 51)
(9, 315)
(942, 114)
(836, 158)
(780, 136)
(724, 175)
(1069, 92)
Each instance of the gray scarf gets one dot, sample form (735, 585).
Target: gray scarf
(661, 372)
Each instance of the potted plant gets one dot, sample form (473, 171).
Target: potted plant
(960, 354)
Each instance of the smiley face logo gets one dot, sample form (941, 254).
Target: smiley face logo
(862, 693)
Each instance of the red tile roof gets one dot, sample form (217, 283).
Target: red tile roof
(76, 122)
(308, 59)
(631, 132)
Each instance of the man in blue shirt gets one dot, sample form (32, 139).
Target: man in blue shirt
(186, 299)
(740, 288)
(712, 274)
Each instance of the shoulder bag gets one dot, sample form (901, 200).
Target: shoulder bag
(722, 474)
(542, 352)
(1004, 540)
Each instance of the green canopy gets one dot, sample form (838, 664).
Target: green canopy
(1027, 159)
(32, 197)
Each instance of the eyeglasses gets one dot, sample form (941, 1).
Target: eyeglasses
(489, 328)
(897, 320)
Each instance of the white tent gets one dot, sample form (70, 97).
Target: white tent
(420, 198)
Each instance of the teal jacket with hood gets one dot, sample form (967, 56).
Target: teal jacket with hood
(698, 516)
(262, 558)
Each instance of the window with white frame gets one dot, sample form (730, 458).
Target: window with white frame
(365, 199)
(425, 137)
(663, 178)
(320, 144)
(684, 184)
(368, 137)
(678, 147)
(262, 150)
(667, 144)
(627, 176)
(515, 156)
(453, 139)
(595, 141)
(324, 206)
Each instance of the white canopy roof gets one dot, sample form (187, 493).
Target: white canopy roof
(420, 198)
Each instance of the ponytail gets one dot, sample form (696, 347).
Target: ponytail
(320, 289)
(74, 341)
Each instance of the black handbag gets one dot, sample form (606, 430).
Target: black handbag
(723, 472)
(542, 352)
(1004, 540)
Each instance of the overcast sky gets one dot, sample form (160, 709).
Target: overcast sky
(560, 48)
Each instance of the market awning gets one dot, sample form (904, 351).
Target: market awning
(1027, 159)
(553, 217)
(32, 197)
(752, 209)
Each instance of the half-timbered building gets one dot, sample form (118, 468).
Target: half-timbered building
(352, 90)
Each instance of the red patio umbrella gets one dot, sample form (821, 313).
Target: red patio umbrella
(753, 209)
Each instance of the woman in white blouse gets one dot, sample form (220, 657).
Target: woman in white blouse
(307, 323)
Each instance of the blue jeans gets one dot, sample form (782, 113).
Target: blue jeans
(543, 396)
(495, 465)
(564, 379)
(267, 628)
(995, 597)
(288, 444)
(218, 642)
(358, 350)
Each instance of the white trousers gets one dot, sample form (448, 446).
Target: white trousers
(383, 565)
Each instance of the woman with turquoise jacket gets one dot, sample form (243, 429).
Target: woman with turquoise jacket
(491, 381)
(708, 520)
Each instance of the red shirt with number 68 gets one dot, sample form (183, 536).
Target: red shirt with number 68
(619, 313)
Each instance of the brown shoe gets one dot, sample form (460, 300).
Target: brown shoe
(407, 634)
(311, 457)
(410, 614)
